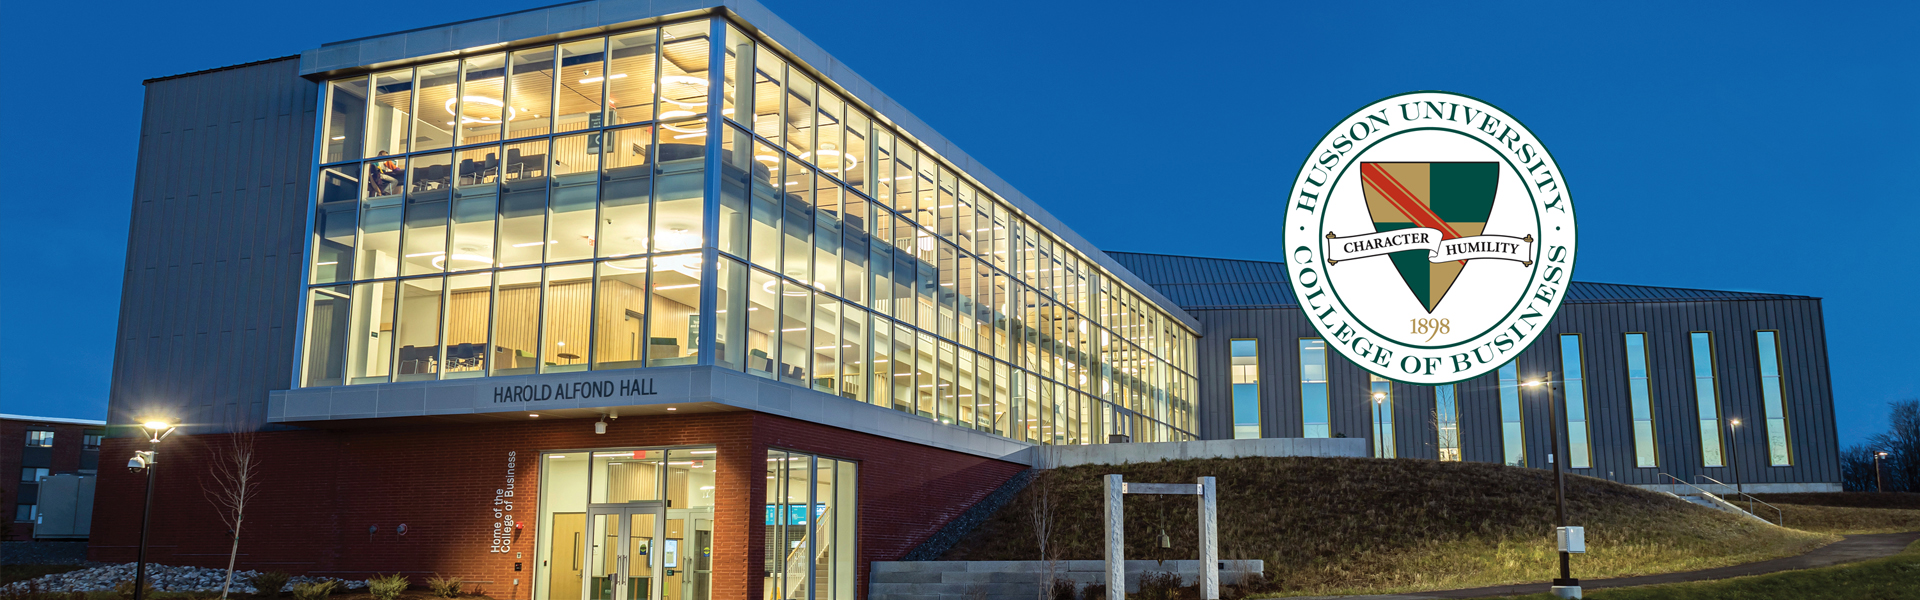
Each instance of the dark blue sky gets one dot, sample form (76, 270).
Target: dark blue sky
(1741, 146)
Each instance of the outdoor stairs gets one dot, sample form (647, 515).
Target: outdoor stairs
(1717, 503)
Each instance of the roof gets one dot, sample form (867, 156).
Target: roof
(225, 68)
(1198, 283)
(7, 417)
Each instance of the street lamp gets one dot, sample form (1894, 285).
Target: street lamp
(148, 461)
(1733, 454)
(1879, 485)
(1566, 586)
(1378, 397)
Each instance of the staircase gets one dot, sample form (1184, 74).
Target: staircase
(1702, 497)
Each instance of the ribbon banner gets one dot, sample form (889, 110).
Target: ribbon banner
(1497, 247)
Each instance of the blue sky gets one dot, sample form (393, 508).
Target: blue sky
(1748, 146)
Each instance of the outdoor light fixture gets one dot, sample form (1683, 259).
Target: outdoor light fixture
(600, 428)
(149, 461)
(1566, 584)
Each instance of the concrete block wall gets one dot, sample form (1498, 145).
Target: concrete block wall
(1044, 457)
(1019, 580)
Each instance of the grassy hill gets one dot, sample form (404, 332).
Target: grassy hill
(1350, 525)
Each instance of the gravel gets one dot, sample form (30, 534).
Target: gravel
(162, 577)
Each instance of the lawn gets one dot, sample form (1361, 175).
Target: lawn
(1893, 578)
(1351, 525)
(1904, 500)
(1843, 520)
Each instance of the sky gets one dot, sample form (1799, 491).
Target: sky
(1736, 146)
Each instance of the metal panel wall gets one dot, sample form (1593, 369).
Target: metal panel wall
(1602, 326)
(208, 303)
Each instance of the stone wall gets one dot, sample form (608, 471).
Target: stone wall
(1020, 580)
(1046, 457)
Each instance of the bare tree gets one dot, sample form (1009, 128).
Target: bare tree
(1040, 507)
(235, 470)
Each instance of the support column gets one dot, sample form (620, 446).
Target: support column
(1116, 552)
(1209, 543)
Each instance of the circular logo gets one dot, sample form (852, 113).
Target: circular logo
(1430, 237)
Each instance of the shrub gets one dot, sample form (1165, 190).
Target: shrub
(387, 587)
(314, 590)
(444, 586)
(270, 583)
(1094, 591)
(125, 589)
(1064, 589)
(1159, 586)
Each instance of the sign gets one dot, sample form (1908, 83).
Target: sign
(575, 390)
(1430, 237)
(502, 518)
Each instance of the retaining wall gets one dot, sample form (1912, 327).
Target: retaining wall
(1020, 580)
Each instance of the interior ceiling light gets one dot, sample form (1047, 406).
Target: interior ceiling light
(472, 100)
(597, 79)
(440, 260)
(829, 149)
(768, 286)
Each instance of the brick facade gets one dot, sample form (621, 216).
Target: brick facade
(325, 488)
(65, 457)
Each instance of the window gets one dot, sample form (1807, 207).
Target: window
(32, 474)
(1446, 422)
(25, 512)
(811, 506)
(1246, 389)
(1313, 389)
(1639, 392)
(1513, 440)
(1706, 397)
(39, 438)
(91, 441)
(1380, 400)
(1574, 398)
(1779, 452)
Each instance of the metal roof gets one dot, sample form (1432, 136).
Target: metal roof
(1198, 283)
(7, 417)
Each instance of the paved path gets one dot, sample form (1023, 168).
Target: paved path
(1852, 549)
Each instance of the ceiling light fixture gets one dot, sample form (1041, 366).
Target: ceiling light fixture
(471, 100)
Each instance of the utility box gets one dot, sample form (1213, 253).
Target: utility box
(66, 508)
(1573, 540)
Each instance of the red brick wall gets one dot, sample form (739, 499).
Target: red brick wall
(67, 441)
(323, 489)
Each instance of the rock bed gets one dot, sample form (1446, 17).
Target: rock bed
(162, 577)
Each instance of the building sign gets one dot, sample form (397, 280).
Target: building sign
(503, 523)
(1430, 237)
(576, 390)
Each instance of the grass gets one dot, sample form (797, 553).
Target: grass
(1903, 500)
(1847, 521)
(1346, 525)
(1895, 577)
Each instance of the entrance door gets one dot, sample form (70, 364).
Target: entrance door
(623, 553)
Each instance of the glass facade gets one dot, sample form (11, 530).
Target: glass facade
(1446, 422)
(616, 524)
(1779, 453)
(1381, 393)
(1639, 393)
(1513, 439)
(554, 209)
(1706, 396)
(1246, 389)
(810, 526)
(1574, 398)
(1314, 411)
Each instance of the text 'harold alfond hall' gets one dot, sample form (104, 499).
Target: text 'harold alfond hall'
(426, 266)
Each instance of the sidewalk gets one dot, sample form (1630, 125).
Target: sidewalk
(1852, 549)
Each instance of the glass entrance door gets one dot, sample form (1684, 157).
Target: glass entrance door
(623, 552)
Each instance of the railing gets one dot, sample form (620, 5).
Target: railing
(1779, 517)
(799, 558)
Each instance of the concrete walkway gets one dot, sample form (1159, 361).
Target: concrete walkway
(1853, 548)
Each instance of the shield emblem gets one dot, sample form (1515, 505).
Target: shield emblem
(1452, 197)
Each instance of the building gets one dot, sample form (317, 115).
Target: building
(41, 448)
(609, 298)
(1660, 383)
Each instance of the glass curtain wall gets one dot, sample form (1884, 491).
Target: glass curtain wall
(1779, 452)
(1246, 389)
(1640, 392)
(811, 549)
(850, 260)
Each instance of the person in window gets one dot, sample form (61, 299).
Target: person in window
(384, 176)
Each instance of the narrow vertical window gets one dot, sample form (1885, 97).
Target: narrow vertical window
(1639, 392)
(1380, 401)
(1706, 398)
(1446, 422)
(1246, 389)
(1579, 453)
(1513, 441)
(1313, 389)
(1779, 451)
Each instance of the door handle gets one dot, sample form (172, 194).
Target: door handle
(577, 550)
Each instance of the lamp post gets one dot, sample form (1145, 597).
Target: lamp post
(1377, 442)
(1566, 586)
(1879, 485)
(148, 461)
(1733, 455)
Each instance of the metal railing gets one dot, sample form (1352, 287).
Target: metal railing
(1779, 517)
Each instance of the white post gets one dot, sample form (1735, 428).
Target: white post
(1116, 553)
(1209, 543)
